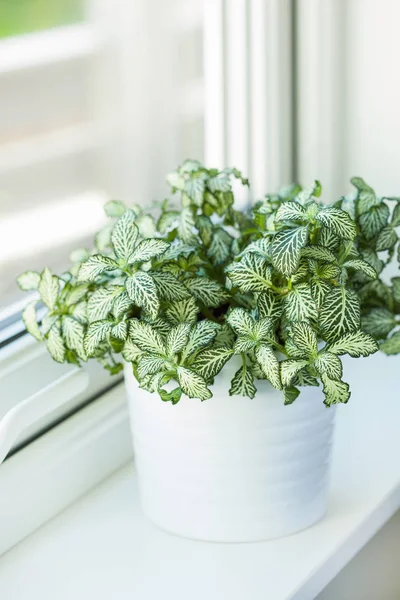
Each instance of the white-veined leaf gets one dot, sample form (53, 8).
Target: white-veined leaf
(392, 344)
(142, 291)
(131, 352)
(120, 330)
(319, 289)
(168, 286)
(194, 188)
(374, 220)
(396, 288)
(338, 221)
(220, 247)
(55, 344)
(371, 257)
(366, 195)
(269, 365)
(356, 344)
(146, 225)
(149, 365)
(251, 274)
(361, 265)
(396, 215)
(30, 319)
(124, 236)
(184, 311)
(73, 333)
(241, 321)
(29, 280)
(122, 304)
(48, 288)
(192, 384)
(177, 338)
(269, 305)
(299, 304)
(76, 293)
(318, 253)
(94, 266)
(328, 239)
(146, 337)
(339, 314)
(305, 338)
(290, 211)
(242, 383)
(387, 238)
(209, 362)
(114, 208)
(209, 292)
(289, 369)
(101, 303)
(96, 333)
(286, 248)
(330, 364)
(293, 351)
(335, 391)
(264, 329)
(219, 183)
(201, 334)
(186, 225)
(168, 220)
(244, 343)
(261, 246)
(148, 249)
(225, 336)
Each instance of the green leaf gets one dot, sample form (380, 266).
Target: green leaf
(186, 225)
(210, 361)
(290, 211)
(372, 258)
(73, 333)
(30, 319)
(142, 291)
(318, 253)
(209, 292)
(379, 322)
(220, 247)
(219, 183)
(201, 334)
(251, 274)
(396, 216)
(339, 314)
(286, 249)
(269, 305)
(242, 383)
(124, 236)
(387, 238)
(244, 343)
(305, 337)
(55, 344)
(328, 239)
(95, 266)
(361, 265)
(299, 304)
(29, 281)
(335, 391)
(290, 394)
(122, 305)
(192, 384)
(269, 365)
(289, 369)
(168, 286)
(374, 220)
(396, 288)
(392, 345)
(184, 311)
(338, 221)
(114, 208)
(148, 249)
(366, 195)
(177, 338)
(330, 364)
(96, 333)
(194, 188)
(261, 246)
(356, 344)
(148, 365)
(48, 288)
(145, 337)
(167, 220)
(173, 396)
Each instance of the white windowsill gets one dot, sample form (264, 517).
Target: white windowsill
(103, 547)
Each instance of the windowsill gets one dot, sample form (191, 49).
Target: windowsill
(103, 547)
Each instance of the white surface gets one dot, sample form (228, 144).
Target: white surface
(231, 470)
(104, 548)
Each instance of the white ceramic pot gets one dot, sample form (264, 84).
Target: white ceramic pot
(232, 469)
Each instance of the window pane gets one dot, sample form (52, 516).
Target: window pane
(26, 16)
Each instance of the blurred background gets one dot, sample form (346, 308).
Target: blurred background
(100, 99)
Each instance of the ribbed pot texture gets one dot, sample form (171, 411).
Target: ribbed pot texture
(232, 469)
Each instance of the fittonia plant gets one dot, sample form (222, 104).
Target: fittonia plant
(283, 285)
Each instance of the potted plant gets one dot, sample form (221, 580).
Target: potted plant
(237, 309)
